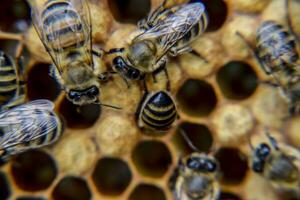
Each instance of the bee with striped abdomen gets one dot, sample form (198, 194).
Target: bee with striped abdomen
(196, 176)
(277, 55)
(28, 126)
(170, 33)
(12, 86)
(64, 27)
(279, 165)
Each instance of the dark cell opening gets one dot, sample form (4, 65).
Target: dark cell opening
(129, 11)
(9, 47)
(147, 192)
(237, 80)
(5, 190)
(14, 16)
(233, 165)
(198, 134)
(79, 116)
(30, 198)
(196, 98)
(151, 158)
(71, 188)
(229, 196)
(33, 170)
(40, 84)
(217, 12)
(111, 176)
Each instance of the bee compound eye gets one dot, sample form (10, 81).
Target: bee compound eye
(134, 74)
(94, 91)
(211, 166)
(192, 163)
(74, 95)
(118, 62)
(263, 150)
(257, 166)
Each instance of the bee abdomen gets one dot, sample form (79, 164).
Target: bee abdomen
(276, 46)
(159, 111)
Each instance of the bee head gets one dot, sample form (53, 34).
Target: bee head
(124, 69)
(87, 96)
(260, 155)
(201, 164)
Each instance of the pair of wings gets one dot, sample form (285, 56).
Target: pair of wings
(81, 7)
(175, 26)
(27, 122)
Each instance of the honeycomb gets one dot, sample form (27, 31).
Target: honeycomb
(102, 153)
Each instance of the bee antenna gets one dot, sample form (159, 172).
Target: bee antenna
(271, 138)
(189, 142)
(249, 142)
(107, 105)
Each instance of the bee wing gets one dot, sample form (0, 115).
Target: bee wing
(175, 26)
(82, 9)
(27, 122)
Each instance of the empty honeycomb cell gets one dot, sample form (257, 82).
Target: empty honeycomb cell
(198, 134)
(151, 158)
(217, 12)
(5, 190)
(147, 192)
(237, 80)
(129, 11)
(196, 98)
(229, 196)
(9, 47)
(233, 165)
(79, 116)
(19, 16)
(33, 170)
(40, 84)
(250, 5)
(30, 198)
(72, 187)
(111, 176)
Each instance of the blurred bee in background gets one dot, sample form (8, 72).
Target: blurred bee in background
(28, 126)
(165, 32)
(277, 55)
(196, 176)
(12, 85)
(278, 165)
(64, 27)
(157, 111)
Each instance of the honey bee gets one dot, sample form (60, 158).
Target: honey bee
(277, 55)
(279, 165)
(12, 85)
(157, 111)
(28, 126)
(64, 27)
(165, 32)
(196, 176)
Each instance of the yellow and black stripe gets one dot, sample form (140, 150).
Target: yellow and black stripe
(62, 26)
(159, 111)
(11, 88)
(276, 46)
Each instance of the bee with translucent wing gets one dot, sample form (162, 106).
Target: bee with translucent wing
(170, 33)
(64, 27)
(12, 87)
(277, 55)
(28, 126)
(279, 165)
(196, 176)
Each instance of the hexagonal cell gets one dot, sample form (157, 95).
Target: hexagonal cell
(33, 170)
(129, 11)
(198, 134)
(229, 196)
(147, 192)
(14, 16)
(217, 11)
(79, 116)
(233, 165)
(111, 176)
(72, 187)
(151, 158)
(30, 198)
(40, 85)
(5, 190)
(237, 80)
(196, 98)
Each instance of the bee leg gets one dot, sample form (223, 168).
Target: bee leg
(199, 55)
(139, 108)
(168, 86)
